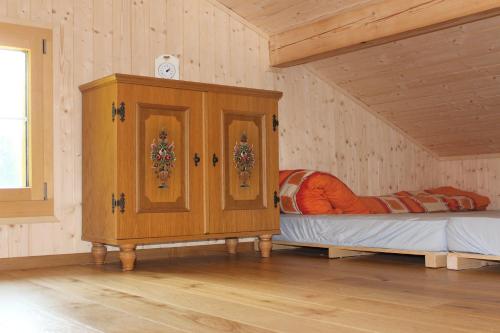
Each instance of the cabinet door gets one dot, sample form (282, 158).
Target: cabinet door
(243, 180)
(158, 142)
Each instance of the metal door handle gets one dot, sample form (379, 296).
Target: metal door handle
(196, 159)
(276, 199)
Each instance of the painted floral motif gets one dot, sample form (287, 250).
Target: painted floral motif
(244, 159)
(163, 157)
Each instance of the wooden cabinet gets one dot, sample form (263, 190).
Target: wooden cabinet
(168, 160)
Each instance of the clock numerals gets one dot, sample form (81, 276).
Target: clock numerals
(167, 67)
(166, 70)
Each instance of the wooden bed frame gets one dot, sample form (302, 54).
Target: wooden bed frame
(458, 260)
(432, 259)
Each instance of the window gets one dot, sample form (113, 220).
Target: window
(13, 118)
(25, 121)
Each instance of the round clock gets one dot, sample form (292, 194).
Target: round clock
(166, 70)
(167, 67)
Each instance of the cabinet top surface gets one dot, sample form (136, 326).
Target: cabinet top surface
(177, 84)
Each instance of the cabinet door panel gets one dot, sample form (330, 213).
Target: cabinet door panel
(242, 186)
(164, 191)
(163, 166)
(245, 156)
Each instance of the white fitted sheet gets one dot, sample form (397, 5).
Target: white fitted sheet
(422, 232)
(477, 232)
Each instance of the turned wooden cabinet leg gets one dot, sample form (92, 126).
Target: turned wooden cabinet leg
(99, 252)
(265, 245)
(127, 256)
(232, 245)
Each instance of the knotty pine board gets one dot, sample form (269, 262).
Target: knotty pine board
(320, 127)
(329, 131)
(481, 175)
(442, 87)
(274, 16)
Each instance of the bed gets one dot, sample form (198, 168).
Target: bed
(454, 240)
(398, 231)
(473, 239)
(319, 210)
(352, 235)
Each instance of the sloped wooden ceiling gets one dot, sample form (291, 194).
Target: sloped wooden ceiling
(274, 16)
(442, 88)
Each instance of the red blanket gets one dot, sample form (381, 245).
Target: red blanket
(314, 192)
(441, 199)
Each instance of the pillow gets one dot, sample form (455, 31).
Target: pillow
(432, 203)
(480, 202)
(396, 204)
(458, 203)
(456, 200)
(313, 192)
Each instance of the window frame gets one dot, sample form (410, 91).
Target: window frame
(37, 198)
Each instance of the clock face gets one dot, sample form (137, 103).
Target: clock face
(166, 70)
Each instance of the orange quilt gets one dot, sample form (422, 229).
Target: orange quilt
(312, 192)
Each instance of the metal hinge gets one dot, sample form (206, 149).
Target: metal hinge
(275, 122)
(118, 111)
(120, 203)
(276, 199)
(44, 46)
(45, 192)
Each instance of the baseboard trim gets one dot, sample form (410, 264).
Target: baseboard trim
(18, 263)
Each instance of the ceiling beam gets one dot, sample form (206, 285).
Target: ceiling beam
(376, 23)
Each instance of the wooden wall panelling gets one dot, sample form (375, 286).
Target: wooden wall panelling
(157, 31)
(103, 33)
(66, 128)
(251, 57)
(191, 40)
(142, 32)
(312, 117)
(325, 129)
(175, 31)
(207, 45)
(4, 241)
(237, 51)
(40, 11)
(18, 9)
(83, 55)
(480, 175)
(122, 49)
(221, 39)
(18, 236)
(267, 76)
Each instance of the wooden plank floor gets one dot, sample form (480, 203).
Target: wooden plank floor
(294, 291)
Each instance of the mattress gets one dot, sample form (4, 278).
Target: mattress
(418, 232)
(477, 232)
